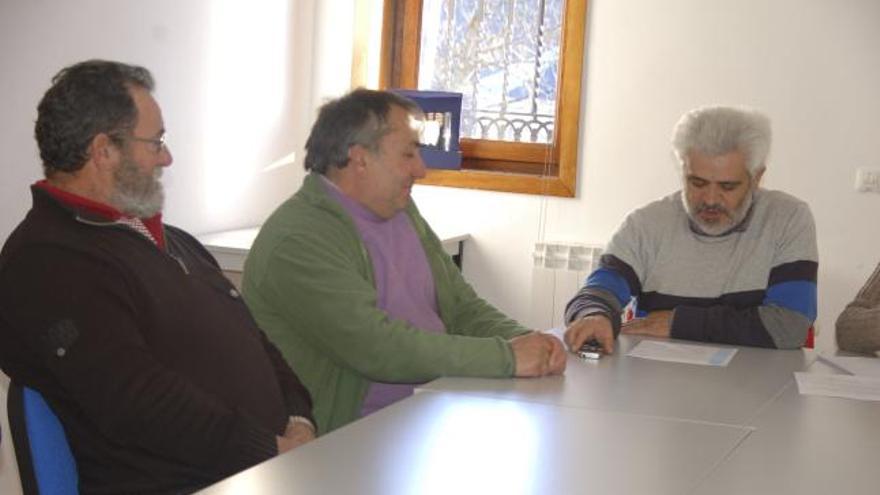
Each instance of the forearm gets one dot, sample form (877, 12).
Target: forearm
(325, 298)
(869, 295)
(296, 397)
(607, 290)
(594, 301)
(781, 320)
(760, 326)
(351, 331)
(858, 326)
(393, 351)
(466, 313)
(463, 311)
(477, 318)
(858, 329)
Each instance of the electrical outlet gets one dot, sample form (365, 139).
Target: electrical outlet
(868, 180)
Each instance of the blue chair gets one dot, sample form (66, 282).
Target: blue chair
(45, 464)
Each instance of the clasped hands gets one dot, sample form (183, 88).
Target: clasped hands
(538, 354)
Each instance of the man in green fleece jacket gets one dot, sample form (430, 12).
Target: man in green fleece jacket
(354, 287)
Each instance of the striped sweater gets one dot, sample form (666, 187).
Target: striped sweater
(753, 286)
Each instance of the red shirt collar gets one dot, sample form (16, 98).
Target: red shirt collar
(80, 203)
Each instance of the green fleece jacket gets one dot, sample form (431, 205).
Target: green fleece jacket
(308, 281)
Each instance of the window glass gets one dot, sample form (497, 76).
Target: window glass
(503, 56)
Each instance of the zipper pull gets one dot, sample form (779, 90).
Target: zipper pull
(180, 262)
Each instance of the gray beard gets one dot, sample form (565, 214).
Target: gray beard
(720, 228)
(137, 194)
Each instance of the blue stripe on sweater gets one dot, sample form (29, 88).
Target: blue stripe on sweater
(611, 280)
(799, 296)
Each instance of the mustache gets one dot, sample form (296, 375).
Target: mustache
(712, 208)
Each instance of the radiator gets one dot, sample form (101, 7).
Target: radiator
(558, 271)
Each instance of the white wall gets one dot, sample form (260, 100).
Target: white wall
(810, 64)
(233, 79)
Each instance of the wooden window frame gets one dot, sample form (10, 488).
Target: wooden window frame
(531, 168)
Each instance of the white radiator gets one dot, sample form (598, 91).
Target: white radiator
(559, 270)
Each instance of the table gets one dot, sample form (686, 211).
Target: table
(230, 247)
(455, 444)
(726, 395)
(641, 426)
(805, 445)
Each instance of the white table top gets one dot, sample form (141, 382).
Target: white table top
(642, 426)
(727, 395)
(455, 444)
(239, 240)
(806, 445)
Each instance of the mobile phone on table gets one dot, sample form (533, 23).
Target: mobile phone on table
(590, 350)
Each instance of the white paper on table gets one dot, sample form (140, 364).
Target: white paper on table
(846, 386)
(683, 353)
(862, 366)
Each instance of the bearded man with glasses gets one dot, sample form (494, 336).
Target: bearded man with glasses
(146, 353)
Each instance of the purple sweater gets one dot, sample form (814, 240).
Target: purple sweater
(404, 282)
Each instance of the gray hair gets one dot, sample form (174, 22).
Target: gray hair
(360, 117)
(718, 130)
(85, 99)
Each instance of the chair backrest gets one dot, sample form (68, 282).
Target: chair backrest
(45, 463)
(10, 483)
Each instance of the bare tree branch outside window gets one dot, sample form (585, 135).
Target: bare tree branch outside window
(503, 56)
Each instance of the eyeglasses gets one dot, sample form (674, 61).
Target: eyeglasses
(157, 144)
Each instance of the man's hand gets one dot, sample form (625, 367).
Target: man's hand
(591, 327)
(557, 355)
(538, 354)
(296, 434)
(656, 324)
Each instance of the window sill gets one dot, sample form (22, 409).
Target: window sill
(502, 181)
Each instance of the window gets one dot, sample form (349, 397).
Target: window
(518, 64)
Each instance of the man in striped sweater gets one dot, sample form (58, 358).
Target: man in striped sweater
(721, 260)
